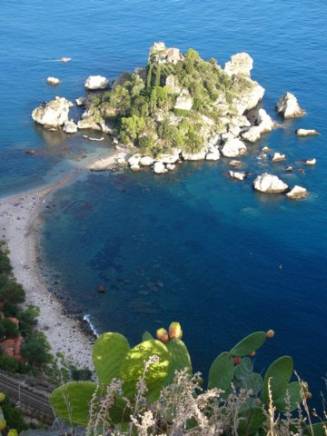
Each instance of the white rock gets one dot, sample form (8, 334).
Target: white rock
(297, 193)
(265, 125)
(159, 168)
(135, 167)
(233, 147)
(306, 132)
(278, 157)
(134, 160)
(269, 184)
(238, 175)
(289, 107)
(170, 158)
(146, 161)
(89, 124)
(184, 101)
(239, 64)
(54, 81)
(289, 169)
(65, 59)
(311, 162)
(213, 154)
(80, 101)
(200, 155)
(265, 149)
(70, 127)
(94, 83)
(53, 114)
(171, 167)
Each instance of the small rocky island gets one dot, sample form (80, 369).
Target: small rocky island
(178, 107)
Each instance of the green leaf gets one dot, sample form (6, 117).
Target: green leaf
(147, 336)
(244, 368)
(108, 353)
(249, 344)
(294, 391)
(71, 402)
(221, 372)
(280, 373)
(250, 421)
(132, 368)
(179, 358)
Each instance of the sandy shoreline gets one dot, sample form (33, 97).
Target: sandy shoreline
(20, 225)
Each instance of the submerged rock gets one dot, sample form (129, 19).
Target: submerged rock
(289, 107)
(53, 114)
(306, 132)
(270, 184)
(278, 157)
(233, 147)
(94, 83)
(238, 175)
(297, 193)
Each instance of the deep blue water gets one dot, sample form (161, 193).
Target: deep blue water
(191, 246)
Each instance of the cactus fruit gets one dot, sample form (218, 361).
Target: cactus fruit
(270, 333)
(162, 335)
(252, 354)
(2, 397)
(175, 330)
(237, 360)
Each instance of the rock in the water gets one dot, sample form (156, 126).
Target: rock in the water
(80, 101)
(289, 107)
(53, 114)
(311, 162)
(278, 157)
(170, 166)
(238, 175)
(134, 160)
(70, 127)
(235, 163)
(289, 169)
(213, 154)
(265, 125)
(170, 158)
(107, 163)
(65, 59)
(200, 155)
(239, 64)
(159, 168)
(297, 193)
(146, 161)
(184, 101)
(306, 132)
(270, 184)
(233, 147)
(94, 83)
(54, 81)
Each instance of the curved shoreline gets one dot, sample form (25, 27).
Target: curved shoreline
(20, 224)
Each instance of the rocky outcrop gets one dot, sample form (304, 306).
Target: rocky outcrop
(278, 157)
(297, 193)
(269, 184)
(170, 158)
(70, 127)
(94, 83)
(184, 101)
(80, 101)
(289, 107)
(159, 168)
(88, 123)
(53, 81)
(134, 162)
(164, 55)
(237, 175)
(265, 125)
(213, 154)
(107, 163)
(239, 64)
(306, 132)
(200, 155)
(54, 114)
(233, 147)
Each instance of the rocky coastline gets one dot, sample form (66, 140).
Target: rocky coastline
(233, 120)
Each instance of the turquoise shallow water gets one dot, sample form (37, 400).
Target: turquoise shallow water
(192, 246)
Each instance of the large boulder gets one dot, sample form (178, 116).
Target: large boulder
(70, 127)
(265, 125)
(269, 184)
(170, 158)
(159, 168)
(200, 155)
(239, 64)
(297, 193)
(233, 147)
(289, 107)
(213, 154)
(53, 114)
(94, 83)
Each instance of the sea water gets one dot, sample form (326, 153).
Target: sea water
(192, 245)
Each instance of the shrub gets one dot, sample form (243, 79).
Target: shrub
(8, 329)
(12, 293)
(36, 350)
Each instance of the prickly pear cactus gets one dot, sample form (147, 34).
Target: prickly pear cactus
(179, 358)
(249, 344)
(221, 372)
